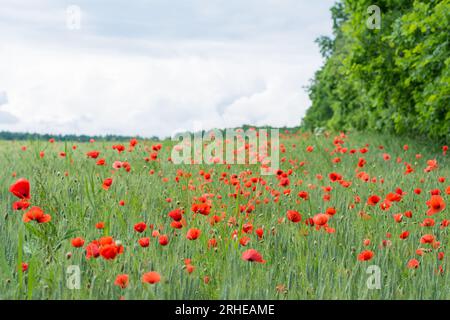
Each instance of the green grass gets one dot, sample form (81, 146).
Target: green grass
(308, 263)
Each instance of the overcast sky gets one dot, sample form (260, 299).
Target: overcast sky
(157, 66)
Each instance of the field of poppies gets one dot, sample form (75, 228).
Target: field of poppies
(347, 216)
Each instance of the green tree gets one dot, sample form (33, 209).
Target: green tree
(393, 79)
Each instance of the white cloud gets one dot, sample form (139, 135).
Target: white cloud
(87, 83)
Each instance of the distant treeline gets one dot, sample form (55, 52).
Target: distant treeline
(394, 79)
(6, 135)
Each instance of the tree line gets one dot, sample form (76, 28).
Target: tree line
(6, 135)
(393, 79)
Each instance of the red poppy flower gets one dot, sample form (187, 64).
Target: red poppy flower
(253, 256)
(21, 189)
(133, 142)
(176, 224)
(436, 204)
(92, 250)
(361, 162)
(366, 255)
(413, 264)
(335, 177)
(320, 219)
(373, 200)
(435, 192)
(151, 277)
(244, 241)
(259, 232)
(284, 182)
(109, 251)
(155, 233)
(120, 148)
(122, 281)
(107, 183)
(77, 242)
(93, 154)
(304, 195)
(36, 214)
(427, 222)
(398, 217)
(140, 227)
(21, 205)
(247, 228)
(294, 216)
(404, 235)
(202, 208)
(106, 240)
(163, 240)
(176, 214)
(330, 211)
(157, 147)
(144, 242)
(393, 197)
(193, 234)
(190, 268)
(427, 238)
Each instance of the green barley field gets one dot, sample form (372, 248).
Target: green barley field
(97, 220)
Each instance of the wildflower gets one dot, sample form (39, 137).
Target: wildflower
(413, 264)
(253, 256)
(21, 189)
(176, 214)
(107, 183)
(77, 242)
(193, 234)
(294, 216)
(428, 238)
(36, 214)
(366, 255)
(93, 154)
(373, 200)
(144, 242)
(436, 204)
(140, 227)
(163, 240)
(151, 277)
(320, 219)
(122, 281)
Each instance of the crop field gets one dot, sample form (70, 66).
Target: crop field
(346, 216)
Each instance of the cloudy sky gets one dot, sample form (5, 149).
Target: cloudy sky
(157, 66)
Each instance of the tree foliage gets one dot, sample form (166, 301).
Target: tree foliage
(393, 79)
